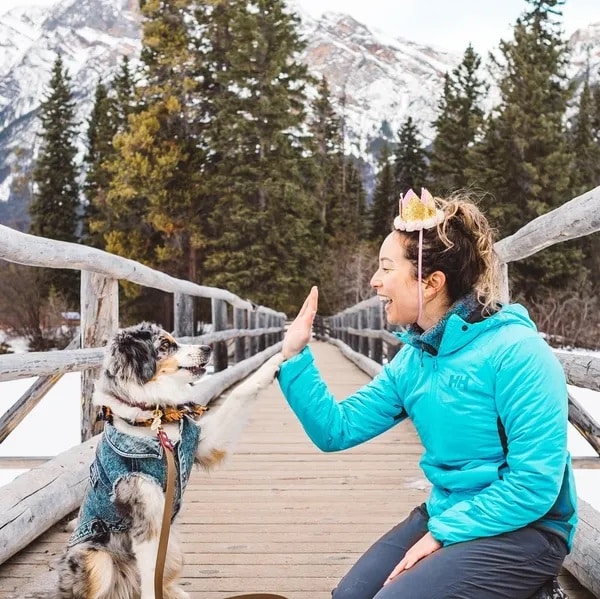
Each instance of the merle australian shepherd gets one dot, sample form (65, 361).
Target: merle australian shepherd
(146, 383)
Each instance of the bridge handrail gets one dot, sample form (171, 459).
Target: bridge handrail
(31, 250)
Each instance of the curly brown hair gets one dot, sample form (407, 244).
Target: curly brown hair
(462, 247)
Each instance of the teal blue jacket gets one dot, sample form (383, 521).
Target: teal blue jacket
(490, 407)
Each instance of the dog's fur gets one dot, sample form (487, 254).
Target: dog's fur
(145, 366)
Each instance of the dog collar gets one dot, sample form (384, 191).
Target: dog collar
(160, 415)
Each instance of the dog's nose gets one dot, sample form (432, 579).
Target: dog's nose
(206, 349)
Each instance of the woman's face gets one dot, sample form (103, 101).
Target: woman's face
(394, 282)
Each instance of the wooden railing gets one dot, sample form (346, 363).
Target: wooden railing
(363, 336)
(38, 499)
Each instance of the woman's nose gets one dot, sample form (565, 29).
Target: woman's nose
(375, 282)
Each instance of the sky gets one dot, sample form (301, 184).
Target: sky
(448, 24)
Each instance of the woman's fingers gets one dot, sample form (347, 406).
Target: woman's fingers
(310, 303)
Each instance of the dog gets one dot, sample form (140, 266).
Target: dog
(146, 385)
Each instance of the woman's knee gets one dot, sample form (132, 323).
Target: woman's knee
(352, 589)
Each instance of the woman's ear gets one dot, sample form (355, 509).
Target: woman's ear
(434, 283)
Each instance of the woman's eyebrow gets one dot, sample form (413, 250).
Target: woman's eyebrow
(384, 259)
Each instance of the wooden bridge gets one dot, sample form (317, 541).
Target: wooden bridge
(280, 517)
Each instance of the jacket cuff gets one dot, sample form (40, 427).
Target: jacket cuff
(290, 369)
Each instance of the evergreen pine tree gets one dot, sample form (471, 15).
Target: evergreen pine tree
(110, 113)
(585, 145)
(458, 126)
(410, 159)
(525, 155)
(101, 130)
(55, 204)
(262, 245)
(586, 169)
(330, 171)
(355, 221)
(123, 92)
(385, 199)
(154, 175)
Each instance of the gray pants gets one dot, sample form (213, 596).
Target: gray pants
(513, 565)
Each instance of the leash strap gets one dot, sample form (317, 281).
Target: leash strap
(163, 542)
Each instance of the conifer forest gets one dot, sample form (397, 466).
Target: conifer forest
(205, 159)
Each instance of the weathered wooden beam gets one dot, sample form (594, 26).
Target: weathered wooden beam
(20, 366)
(575, 218)
(38, 499)
(22, 462)
(219, 323)
(214, 385)
(582, 370)
(367, 365)
(584, 423)
(23, 406)
(229, 334)
(586, 463)
(99, 323)
(584, 560)
(183, 308)
(382, 334)
(239, 322)
(38, 251)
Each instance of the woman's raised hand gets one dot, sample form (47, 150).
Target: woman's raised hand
(299, 332)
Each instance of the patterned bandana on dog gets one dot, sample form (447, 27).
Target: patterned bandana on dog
(417, 214)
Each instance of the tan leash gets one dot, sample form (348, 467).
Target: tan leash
(165, 527)
(163, 542)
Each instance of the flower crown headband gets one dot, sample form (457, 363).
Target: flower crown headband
(417, 214)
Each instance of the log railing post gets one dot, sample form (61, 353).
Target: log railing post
(239, 323)
(262, 339)
(363, 323)
(99, 322)
(183, 317)
(252, 341)
(354, 324)
(376, 324)
(219, 322)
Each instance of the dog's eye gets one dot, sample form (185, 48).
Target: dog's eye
(165, 346)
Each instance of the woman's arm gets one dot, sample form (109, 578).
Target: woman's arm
(333, 426)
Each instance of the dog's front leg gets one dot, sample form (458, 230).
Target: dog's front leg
(143, 500)
(222, 426)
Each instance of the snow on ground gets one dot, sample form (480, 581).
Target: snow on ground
(53, 426)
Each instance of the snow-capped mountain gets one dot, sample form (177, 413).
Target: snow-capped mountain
(377, 81)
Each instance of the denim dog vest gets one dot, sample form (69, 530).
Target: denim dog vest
(119, 455)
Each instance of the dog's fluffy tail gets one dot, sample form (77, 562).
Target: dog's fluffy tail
(222, 426)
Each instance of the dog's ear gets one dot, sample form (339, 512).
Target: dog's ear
(134, 356)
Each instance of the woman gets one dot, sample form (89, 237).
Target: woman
(502, 510)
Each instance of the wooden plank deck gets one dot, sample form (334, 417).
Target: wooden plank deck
(280, 516)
